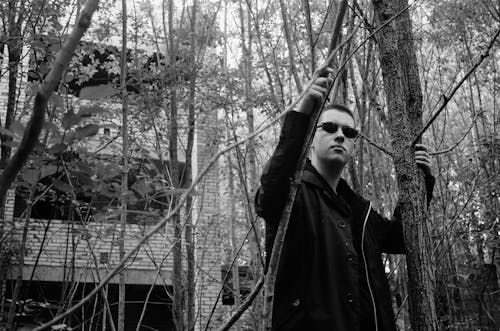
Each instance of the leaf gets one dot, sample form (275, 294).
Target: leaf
(70, 119)
(62, 186)
(173, 191)
(90, 110)
(97, 92)
(57, 100)
(57, 148)
(12, 144)
(129, 197)
(30, 175)
(87, 131)
(51, 127)
(7, 132)
(108, 171)
(17, 127)
(83, 178)
(83, 167)
(48, 171)
(142, 187)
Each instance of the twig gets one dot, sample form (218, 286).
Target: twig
(474, 120)
(375, 145)
(244, 306)
(447, 98)
(226, 276)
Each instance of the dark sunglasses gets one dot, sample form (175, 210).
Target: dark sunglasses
(331, 127)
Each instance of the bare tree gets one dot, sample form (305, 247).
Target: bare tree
(404, 100)
(125, 166)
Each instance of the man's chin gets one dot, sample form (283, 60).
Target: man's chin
(337, 161)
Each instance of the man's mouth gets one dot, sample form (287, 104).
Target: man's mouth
(338, 147)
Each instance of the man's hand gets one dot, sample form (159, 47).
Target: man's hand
(422, 158)
(313, 98)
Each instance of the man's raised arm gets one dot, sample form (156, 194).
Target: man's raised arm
(275, 180)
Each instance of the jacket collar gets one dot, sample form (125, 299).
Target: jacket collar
(344, 191)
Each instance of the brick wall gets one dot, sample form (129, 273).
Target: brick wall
(207, 223)
(54, 243)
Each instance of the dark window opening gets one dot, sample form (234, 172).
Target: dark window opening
(40, 301)
(246, 284)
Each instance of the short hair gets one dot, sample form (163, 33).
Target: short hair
(339, 107)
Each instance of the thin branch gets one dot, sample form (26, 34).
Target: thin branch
(474, 120)
(226, 277)
(375, 145)
(447, 98)
(244, 306)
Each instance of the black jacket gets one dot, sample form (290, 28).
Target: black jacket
(322, 275)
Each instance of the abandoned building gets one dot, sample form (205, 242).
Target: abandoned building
(68, 255)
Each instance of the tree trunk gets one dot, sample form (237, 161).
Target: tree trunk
(171, 72)
(290, 44)
(189, 233)
(124, 186)
(234, 249)
(404, 100)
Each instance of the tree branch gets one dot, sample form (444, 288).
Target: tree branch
(474, 120)
(447, 98)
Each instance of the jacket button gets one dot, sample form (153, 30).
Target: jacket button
(296, 303)
(341, 224)
(350, 259)
(349, 297)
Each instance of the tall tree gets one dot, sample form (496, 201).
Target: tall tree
(125, 166)
(404, 101)
(172, 104)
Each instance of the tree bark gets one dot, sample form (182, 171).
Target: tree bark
(124, 186)
(189, 232)
(404, 100)
(290, 44)
(171, 72)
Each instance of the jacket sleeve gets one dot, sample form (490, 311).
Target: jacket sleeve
(390, 232)
(275, 180)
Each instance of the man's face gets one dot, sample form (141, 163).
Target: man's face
(333, 148)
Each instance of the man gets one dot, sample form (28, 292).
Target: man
(330, 276)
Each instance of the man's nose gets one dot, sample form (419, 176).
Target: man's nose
(339, 136)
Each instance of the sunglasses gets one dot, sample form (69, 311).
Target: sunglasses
(331, 127)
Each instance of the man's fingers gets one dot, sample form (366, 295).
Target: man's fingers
(324, 71)
(323, 82)
(421, 147)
